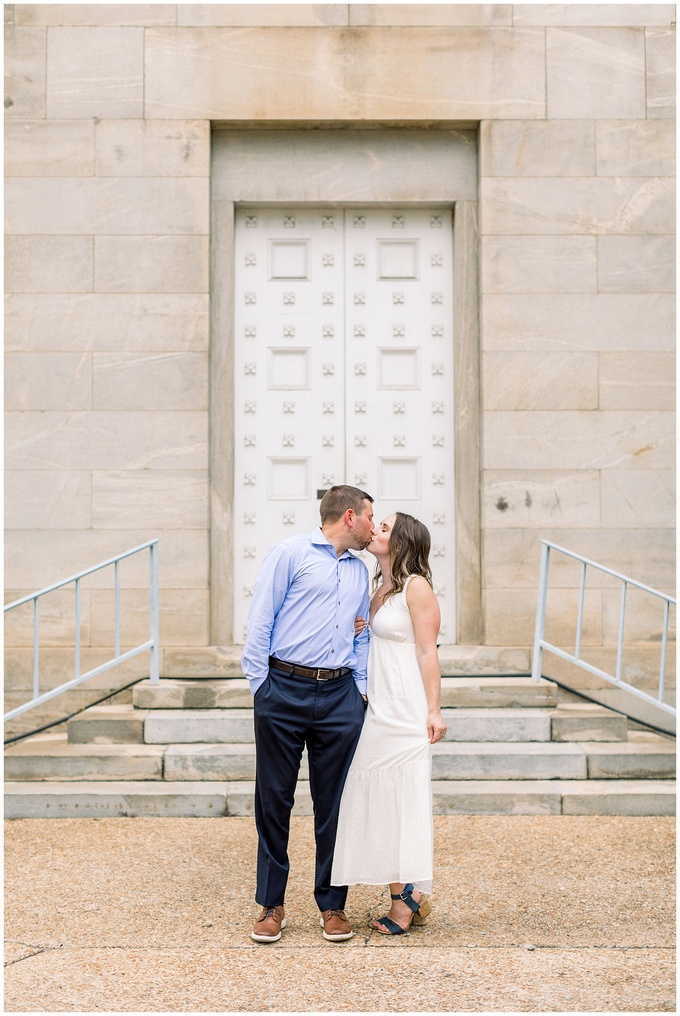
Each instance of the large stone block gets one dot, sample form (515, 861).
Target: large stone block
(150, 264)
(619, 797)
(511, 557)
(587, 206)
(510, 616)
(197, 726)
(573, 440)
(49, 147)
(538, 380)
(107, 440)
(49, 264)
(44, 498)
(349, 73)
(135, 498)
(601, 321)
(55, 554)
(637, 380)
(183, 617)
(210, 762)
(497, 692)
(125, 323)
(636, 264)
(233, 693)
(269, 15)
(638, 761)
(25, 54)
(660, 46)
(107, 725)
(518, 148)
(150, 381)
(95, 72)
(152, 148)
(544, 761)
(116, 15)
(48, 381)
(595, 72)
(623, 15)
(536, 499)
(497, 725)
(114, 206)
(496, 797)
(637, 499)
(117, 799)
(435, 15)
(635, 148)
(50, 757)
(539, 264)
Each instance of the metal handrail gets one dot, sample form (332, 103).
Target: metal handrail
(540, 643)
(152, 644)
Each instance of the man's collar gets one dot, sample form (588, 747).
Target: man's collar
(317, 536)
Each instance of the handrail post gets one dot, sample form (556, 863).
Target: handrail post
(36, 648)
(116, 586)
(77, 674)
(537, 656)
(579, 621)
(153, 612)
(622, 626)
(664, 643)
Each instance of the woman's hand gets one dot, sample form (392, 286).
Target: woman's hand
(436, 728)
(359, 625)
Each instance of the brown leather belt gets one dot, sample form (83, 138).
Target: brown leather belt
(319, 673)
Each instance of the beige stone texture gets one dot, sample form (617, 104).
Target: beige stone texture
(346, 166)
(49, 147)
(595, 72)
(155, 498)
(151, 264)
(582, 207)
(512, 557)
(150, 381)
(115, 15)
(47, 498)
(49, 264)
(183, 559)
(637, 500)
(539, 264)
(106, 440)
(125, 323)
(152, 148)
(120, 207)
(644, 620)
(25, 54)
(635, 147)
(435, 15)
(541, 498)
(579, 440)
(537, 380)
(519, 148)
(636, 264)
(587, 322)
(510, 616)
(266, 15)
(183, 617)
(622, 15)
(660, 46)
(411, 73)
(95, 72)
(637, 380)
(56, 620)
(48, 381)
(56, 668)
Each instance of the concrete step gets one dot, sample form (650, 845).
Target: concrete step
(125, 724)
(457, 692)
(121, 724)
(51, 757)
(206, 799)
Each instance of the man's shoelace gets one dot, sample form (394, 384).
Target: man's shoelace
(271, 912)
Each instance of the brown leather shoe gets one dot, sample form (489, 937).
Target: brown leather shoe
(268, 926)
(336, 927)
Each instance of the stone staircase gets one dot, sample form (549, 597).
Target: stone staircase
(185, 748)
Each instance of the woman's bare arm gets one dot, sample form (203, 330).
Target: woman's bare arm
(426, 618)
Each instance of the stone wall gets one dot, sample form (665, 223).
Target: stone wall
(109, 110)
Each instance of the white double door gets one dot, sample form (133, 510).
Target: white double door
(343, 374)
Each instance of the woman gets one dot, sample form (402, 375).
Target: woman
(385, 823)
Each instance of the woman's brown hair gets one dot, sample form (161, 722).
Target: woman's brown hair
(410, 552)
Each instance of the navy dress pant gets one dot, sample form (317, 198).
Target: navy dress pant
(290, 712)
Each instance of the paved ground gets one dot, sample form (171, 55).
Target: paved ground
(531, 914)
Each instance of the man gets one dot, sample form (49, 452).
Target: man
(307, 673)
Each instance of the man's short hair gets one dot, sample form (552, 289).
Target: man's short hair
(339, 499)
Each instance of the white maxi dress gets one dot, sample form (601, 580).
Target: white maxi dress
(385, 824)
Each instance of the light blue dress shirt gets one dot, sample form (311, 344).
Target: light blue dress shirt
(303, 609)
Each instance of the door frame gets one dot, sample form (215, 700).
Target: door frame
(329, 167)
